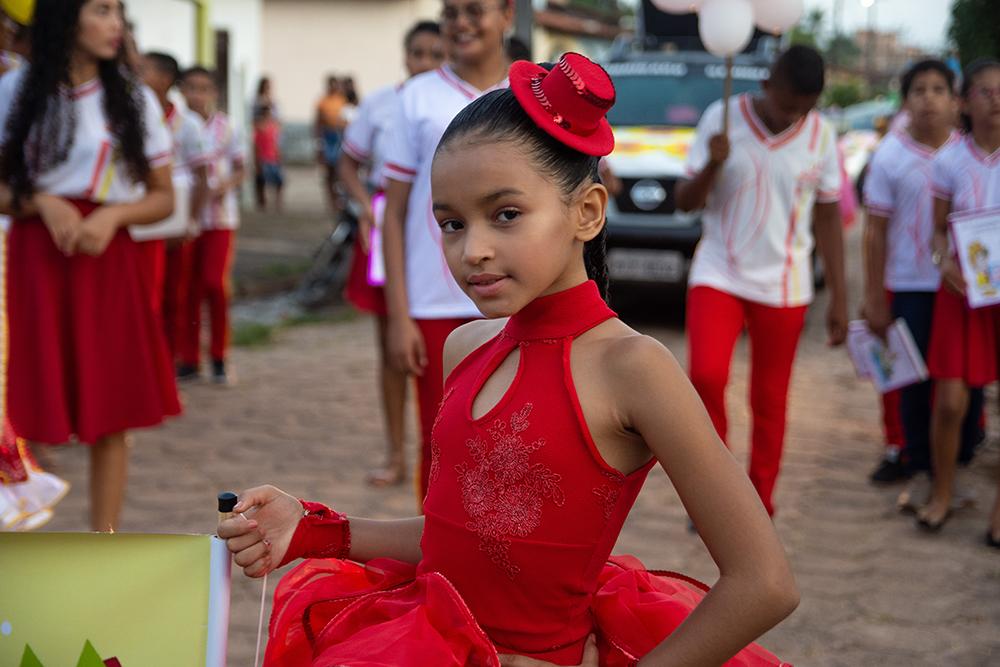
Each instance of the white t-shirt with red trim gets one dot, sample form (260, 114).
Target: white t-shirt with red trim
(225, 150)
(964, 174)
(757, 235)
(94, 169)
(190, 149)
(427, 104)
(366, 138)
(898, 188)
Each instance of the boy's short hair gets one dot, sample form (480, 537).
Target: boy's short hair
(802, 69)
(198, 70)
(166, 64)
(922, 67)
(428, 27)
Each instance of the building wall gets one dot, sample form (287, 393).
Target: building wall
(305, 40)
(167, 26)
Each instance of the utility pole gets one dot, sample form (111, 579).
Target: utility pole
(524, 21)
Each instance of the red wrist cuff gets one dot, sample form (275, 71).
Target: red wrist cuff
(321, 533)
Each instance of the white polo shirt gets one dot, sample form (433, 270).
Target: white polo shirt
(427, 104)
(366, 138)
(224, 148)
(898, 187)
(190, 149)
(966, 176)
(94, 169)
(757, 235)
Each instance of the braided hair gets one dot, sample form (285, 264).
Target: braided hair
(42, 123)
(499, 116)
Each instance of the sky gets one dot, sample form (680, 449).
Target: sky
(921, 22)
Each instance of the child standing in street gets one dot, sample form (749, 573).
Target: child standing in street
(769, 190)
(423, 301)
(87, 356)
(212, 254)
(901, 281)
(267, 155)
(554, 413)
(364, 147)
(964, 341)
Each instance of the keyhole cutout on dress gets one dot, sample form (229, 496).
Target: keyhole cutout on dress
(498, 386)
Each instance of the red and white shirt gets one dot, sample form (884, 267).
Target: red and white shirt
(427, 104)
(190, 149)
(965, 175)
(757, 236)
(366, 138)
(898, 188)
(94, 169)
(224, 148)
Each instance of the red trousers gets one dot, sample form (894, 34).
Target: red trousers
(211, 262)
(177, 291)
(892, 420)
(430, 390)
(715, 320)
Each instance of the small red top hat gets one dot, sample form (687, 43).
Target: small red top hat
(569, 103)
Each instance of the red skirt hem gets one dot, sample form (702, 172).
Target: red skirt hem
(964, 340)
(87, 353)
(383, 613)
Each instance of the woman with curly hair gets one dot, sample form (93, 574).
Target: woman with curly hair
(83, 154)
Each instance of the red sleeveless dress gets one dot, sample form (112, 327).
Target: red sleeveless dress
(520, 519)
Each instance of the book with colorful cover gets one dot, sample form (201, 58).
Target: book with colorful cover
(975, 236)
(890, 364)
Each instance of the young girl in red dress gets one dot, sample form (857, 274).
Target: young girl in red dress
(84, 154)
(964, 341)
(554, 412)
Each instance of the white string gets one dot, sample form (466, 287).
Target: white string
(260, 621)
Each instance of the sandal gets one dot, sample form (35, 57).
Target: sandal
(933, 526)
(386, 476)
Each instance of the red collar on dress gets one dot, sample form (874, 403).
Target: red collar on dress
(565, 314)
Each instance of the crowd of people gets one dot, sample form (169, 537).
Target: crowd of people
(481, 255)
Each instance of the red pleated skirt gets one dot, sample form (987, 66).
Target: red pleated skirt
(87, 355)
(963, 340)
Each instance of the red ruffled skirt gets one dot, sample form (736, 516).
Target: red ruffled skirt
(87, 355)
(334, 612)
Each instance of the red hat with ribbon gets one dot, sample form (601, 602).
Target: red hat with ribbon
(569, 102)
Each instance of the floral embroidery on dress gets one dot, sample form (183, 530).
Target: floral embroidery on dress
(435, 469)
(607, 495)
(502, 491)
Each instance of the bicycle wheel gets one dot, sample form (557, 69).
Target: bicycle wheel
(324, 282)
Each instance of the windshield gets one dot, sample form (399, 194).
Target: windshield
(668, 100)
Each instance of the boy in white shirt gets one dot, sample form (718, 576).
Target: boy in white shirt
(424, 302)
(901, 280)
(768, 189)
(220, 217)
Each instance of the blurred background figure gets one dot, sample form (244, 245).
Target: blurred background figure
(328, 129)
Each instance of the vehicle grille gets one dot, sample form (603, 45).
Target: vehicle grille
(627, 205)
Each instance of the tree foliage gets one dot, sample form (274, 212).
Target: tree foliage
(975, 29)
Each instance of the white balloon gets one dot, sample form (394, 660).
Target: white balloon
(725, 26)
(777, 16)
(678, 6)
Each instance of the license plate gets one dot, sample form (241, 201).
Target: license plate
(666, 266)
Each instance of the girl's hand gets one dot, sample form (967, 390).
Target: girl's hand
(590, 656)
(260, 540)
(406, 346)
(836, 322)
(877, 315)
(718, 149)
(951, 273)
(366, 222)
(97, 230)
(62, 219)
